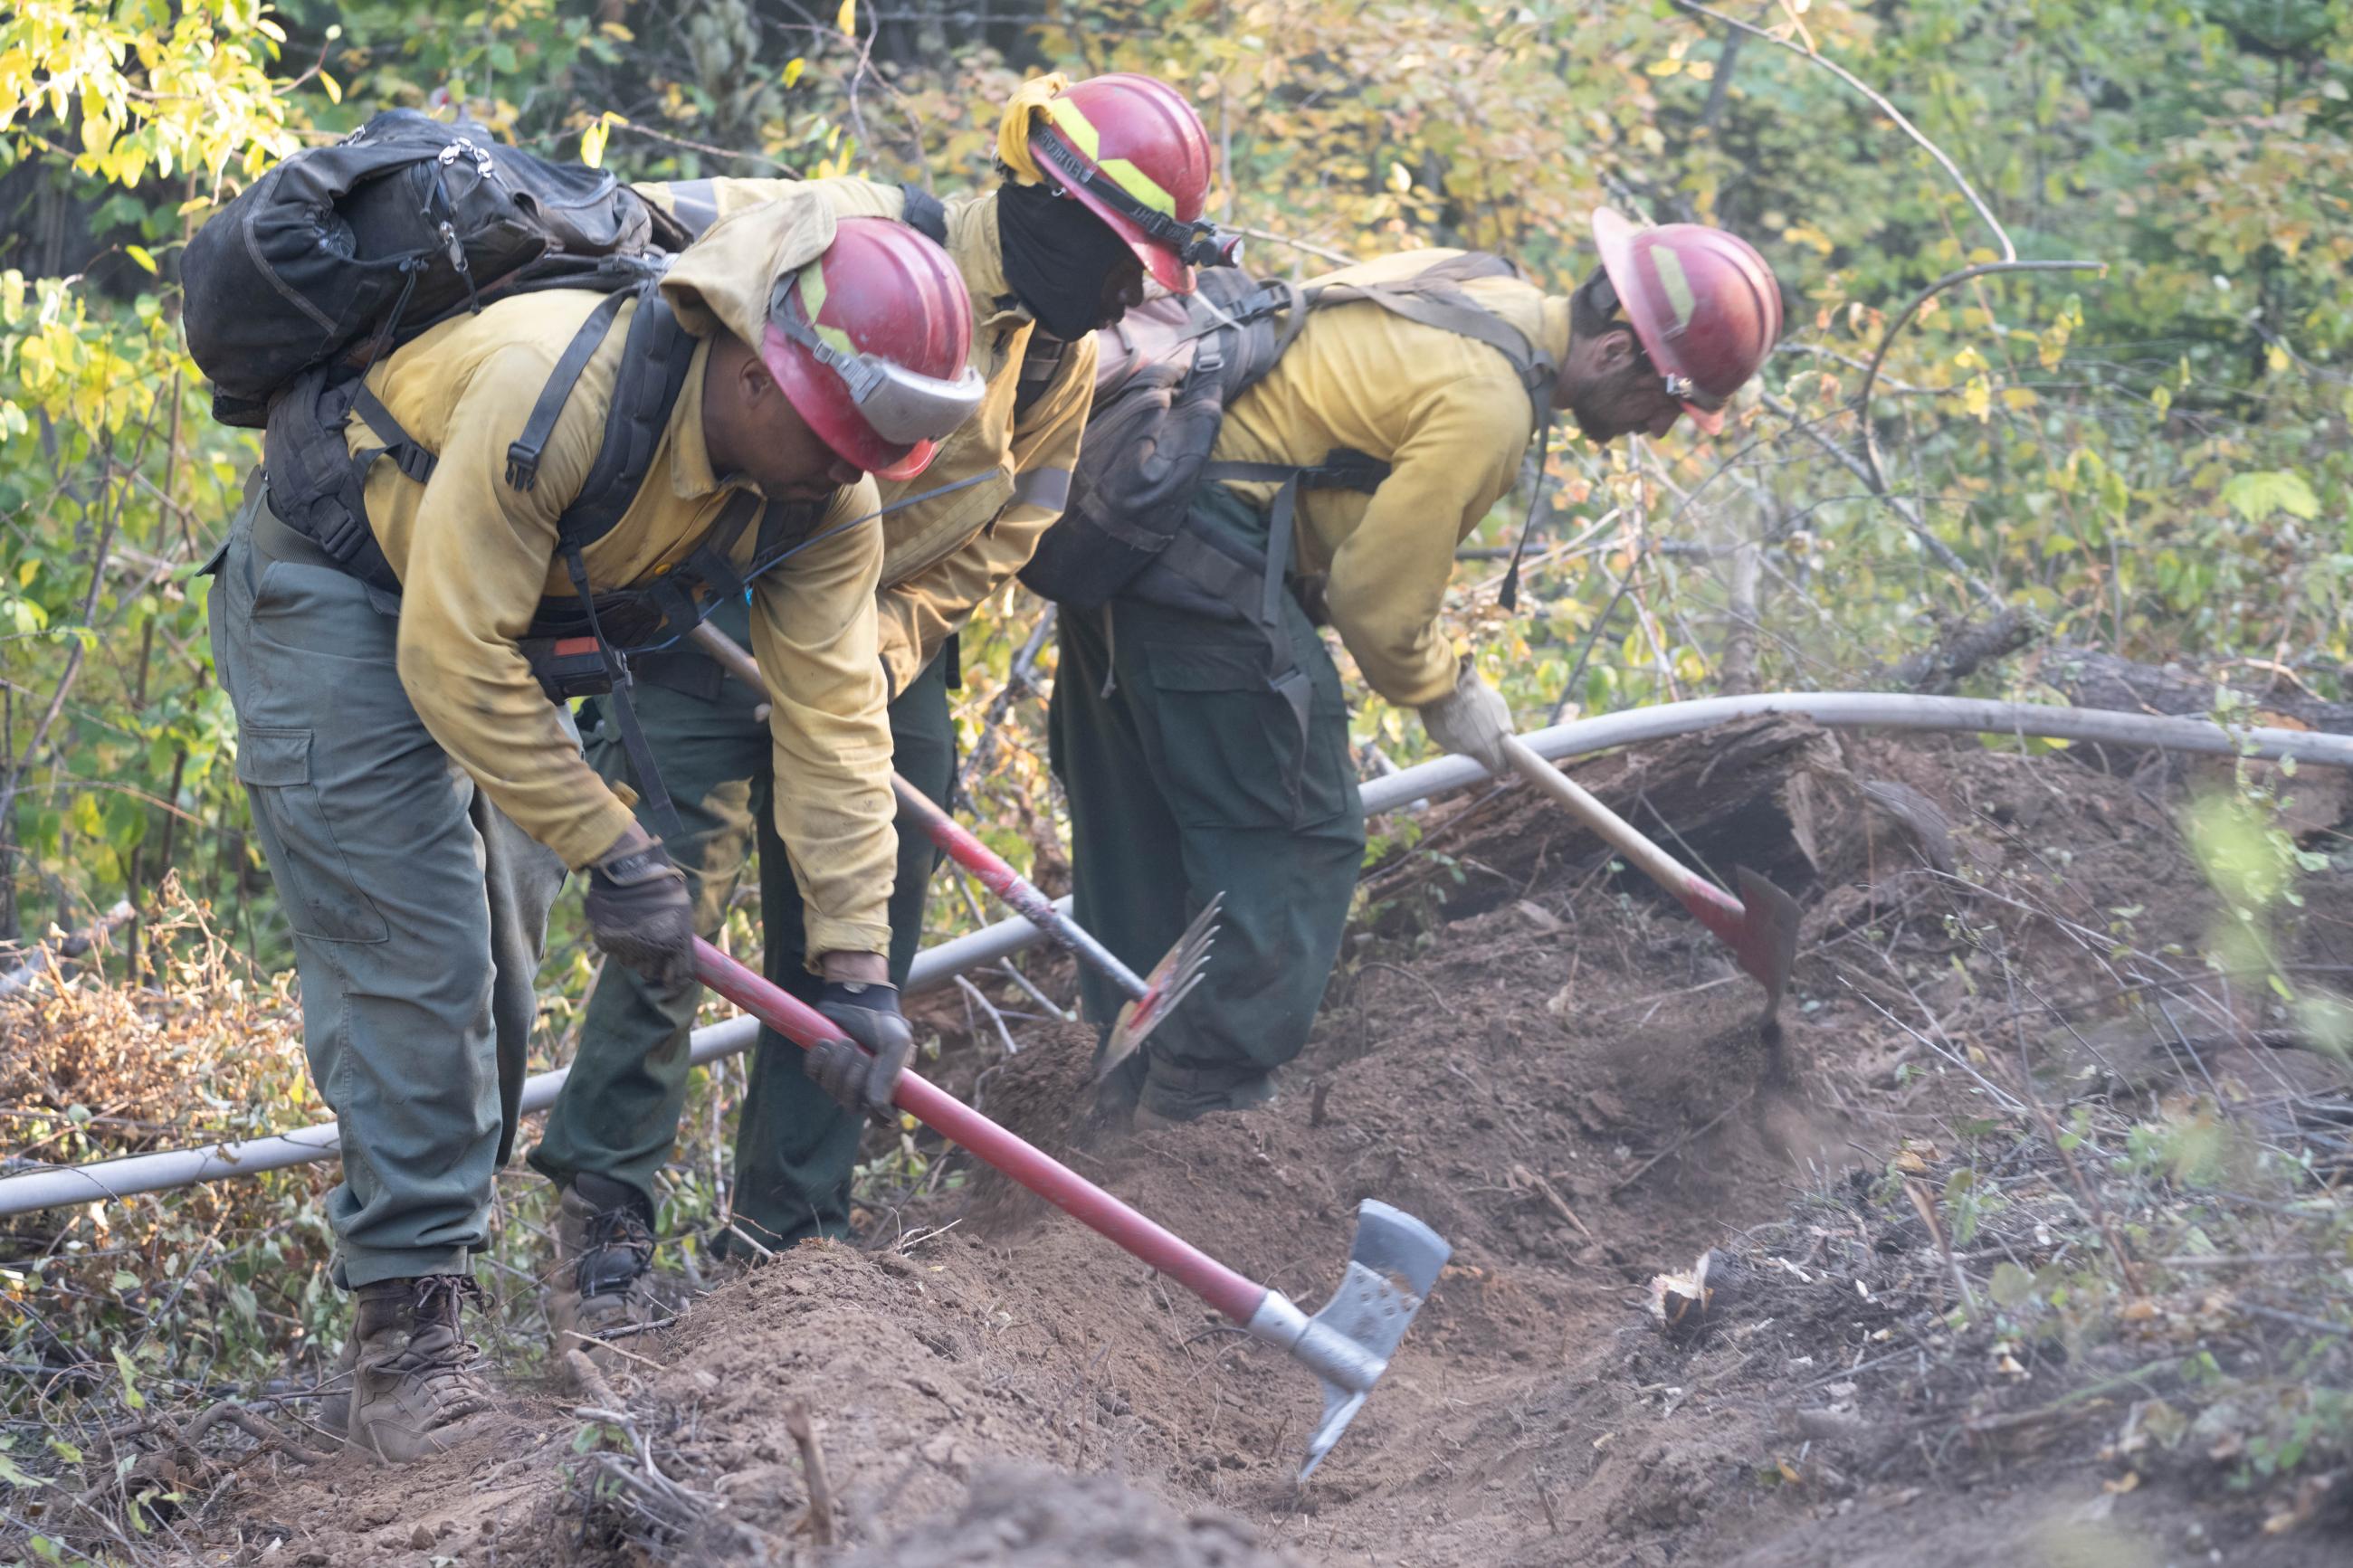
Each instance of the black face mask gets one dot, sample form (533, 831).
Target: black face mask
(1057, 257)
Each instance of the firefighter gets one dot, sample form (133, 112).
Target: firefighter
(421, 797)
(1103, 182)
(1197, 722)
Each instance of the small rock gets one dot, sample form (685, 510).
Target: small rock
(421, 1538)
(705, 1380)
(1831, 1424)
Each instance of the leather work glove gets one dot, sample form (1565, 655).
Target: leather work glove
(868, 1015)
(1473, 720)
(639, 911)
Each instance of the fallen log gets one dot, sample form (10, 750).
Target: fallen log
(2090, 678)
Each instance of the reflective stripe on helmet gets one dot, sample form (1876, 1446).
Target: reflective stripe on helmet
(1072, 121)
(1672, 279)
(810, 280)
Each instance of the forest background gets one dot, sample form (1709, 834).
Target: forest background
(2151, 458)
(2144, 453)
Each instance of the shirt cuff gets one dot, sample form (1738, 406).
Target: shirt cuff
(582, 841)
(826, 935)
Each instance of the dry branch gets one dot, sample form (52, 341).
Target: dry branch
(820, 1489)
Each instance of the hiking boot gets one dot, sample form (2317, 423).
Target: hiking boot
(603, 1267)
(417, 1382)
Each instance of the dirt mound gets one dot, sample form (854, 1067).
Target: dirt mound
(1567, 1079)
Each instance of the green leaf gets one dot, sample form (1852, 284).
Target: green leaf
(130, 1395)
(2256, 496)
(15, 1477)
(2012, 1286)
(125, 1282)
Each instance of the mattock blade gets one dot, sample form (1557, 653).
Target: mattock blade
(1170, 982)
(1392, 1267)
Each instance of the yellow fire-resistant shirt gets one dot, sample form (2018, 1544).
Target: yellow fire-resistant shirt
(1449, 415)
(944, 557)
(475, 556)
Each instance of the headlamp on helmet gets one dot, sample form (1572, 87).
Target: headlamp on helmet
(1194, 244)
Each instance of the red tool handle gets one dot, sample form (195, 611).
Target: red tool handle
(1232, 1294)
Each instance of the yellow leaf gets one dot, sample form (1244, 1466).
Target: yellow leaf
(1977, 398)
(2018, 397)
(847, 20)
(138, 253)
(335, 88)
(592, 144)
(793, 69)
(1400, 179)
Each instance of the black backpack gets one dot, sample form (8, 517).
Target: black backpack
(343, 252)
(1164, 377)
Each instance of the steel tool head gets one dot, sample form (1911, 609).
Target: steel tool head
(1348, 1345)
(1170, 982)
(1768, 944)
(1760, 927)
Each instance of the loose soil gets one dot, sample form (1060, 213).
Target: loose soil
(1566, 1077)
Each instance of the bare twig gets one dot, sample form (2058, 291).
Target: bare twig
(1534, 1182)
(820, 1491)
(692, 146)
(1685, 1141)
(1879, 101)
(589, 1380)
(1342, 257)
(1926, 1206)
(973, 993)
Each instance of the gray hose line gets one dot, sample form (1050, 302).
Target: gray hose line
(1843, 709)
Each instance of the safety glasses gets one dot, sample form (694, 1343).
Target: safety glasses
(899, 404)
(1194, 244)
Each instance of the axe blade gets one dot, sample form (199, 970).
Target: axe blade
(1392, 1265)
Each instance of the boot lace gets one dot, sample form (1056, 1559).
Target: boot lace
(439, 1356)
(617, 1248)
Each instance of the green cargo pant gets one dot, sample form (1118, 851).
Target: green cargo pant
(1188, 776)
(418, 909)
(617, 1114)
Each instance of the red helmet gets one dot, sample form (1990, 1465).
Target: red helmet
(1134, 153)
(1702, 303)
(871, 342)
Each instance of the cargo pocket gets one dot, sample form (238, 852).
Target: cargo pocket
(1231, 753)
(322, 897)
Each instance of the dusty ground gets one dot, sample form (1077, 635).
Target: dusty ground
(1560, 1074)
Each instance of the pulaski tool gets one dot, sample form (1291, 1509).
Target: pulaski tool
(1150, 997)
(1760, 926)
(1392, 1265)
